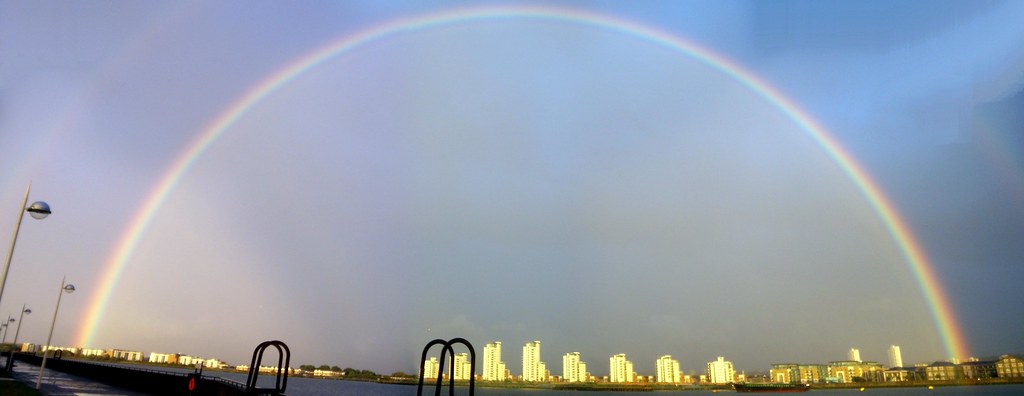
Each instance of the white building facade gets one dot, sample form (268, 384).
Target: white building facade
(463, 367)
(895, 357)
(668, 370)
(494, 368)
(133, 356)
(854, 355)
(620, 369)
(573, 369)
(533, 368)
(431, 368)
(721, 371)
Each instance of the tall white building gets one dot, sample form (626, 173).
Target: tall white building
(620, 369)
(431, 368)
(668, 370)
(721, 371)
(463, 367)
(853, 355)
(533, 369)
(494, 368)
(895, 357)
(573, 370)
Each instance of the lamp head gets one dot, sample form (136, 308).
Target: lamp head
(27, 311)
(69, 288)
(39, 210)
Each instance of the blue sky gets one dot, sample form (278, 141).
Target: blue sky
(518, 179)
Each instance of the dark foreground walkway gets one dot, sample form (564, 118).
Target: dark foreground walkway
(60, 384)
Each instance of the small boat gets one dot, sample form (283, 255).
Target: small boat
(771, 387)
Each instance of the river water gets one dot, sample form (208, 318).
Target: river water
(299, 386)
(323, 387)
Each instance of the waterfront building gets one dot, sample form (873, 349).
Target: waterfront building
(721, 371)
(463, 367)
(216, 363)
(812, 373)
(157, 357)
(329, 373)
(431, 368)
(494, 368)
(845, 371)
(533, 368)
(1009, 366)
(901, 374)
(573, 369)
(29, 347)
(979, 369)
(620, 369)
(93, 352)
(71, 350)
(895, 357)
(785, 373)
(668, 370)
(132, 356)
(942, 371)
(853, 355)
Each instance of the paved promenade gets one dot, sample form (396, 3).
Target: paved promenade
(59, 384)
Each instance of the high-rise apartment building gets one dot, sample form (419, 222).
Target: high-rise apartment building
(431, 368)
(463, 367)
(895, 357)
(573, 370)
(620, 369)
(721, 371)
(854, 355)
(494, 368)
(533, 369)
(668, 370)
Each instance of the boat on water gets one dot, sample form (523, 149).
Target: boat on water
(770, 387)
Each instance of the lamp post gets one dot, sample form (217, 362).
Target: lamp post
(38, 210)
(64, 288)
(6, 325)
(14, 344)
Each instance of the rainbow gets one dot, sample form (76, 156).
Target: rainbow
(914, 255)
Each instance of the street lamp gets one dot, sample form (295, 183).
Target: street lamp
(38, 210)
(64, 288)
(10, 360)
(6, 325)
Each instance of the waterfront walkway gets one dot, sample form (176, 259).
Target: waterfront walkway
(56, 383)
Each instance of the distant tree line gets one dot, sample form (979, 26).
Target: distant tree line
(310, 367)
(348, 371)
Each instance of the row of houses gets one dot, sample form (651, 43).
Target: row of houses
(1007, 366)
(117, 354)
(128, 356)
(185, 360)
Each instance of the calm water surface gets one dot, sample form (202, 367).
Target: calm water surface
(318, 387)
(321, 387)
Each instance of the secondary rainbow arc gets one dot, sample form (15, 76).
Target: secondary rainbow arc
(914, 255)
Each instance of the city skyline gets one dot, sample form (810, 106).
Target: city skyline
(357, 179)
(622, 369)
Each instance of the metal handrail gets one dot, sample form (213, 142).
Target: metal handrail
(445, 351)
